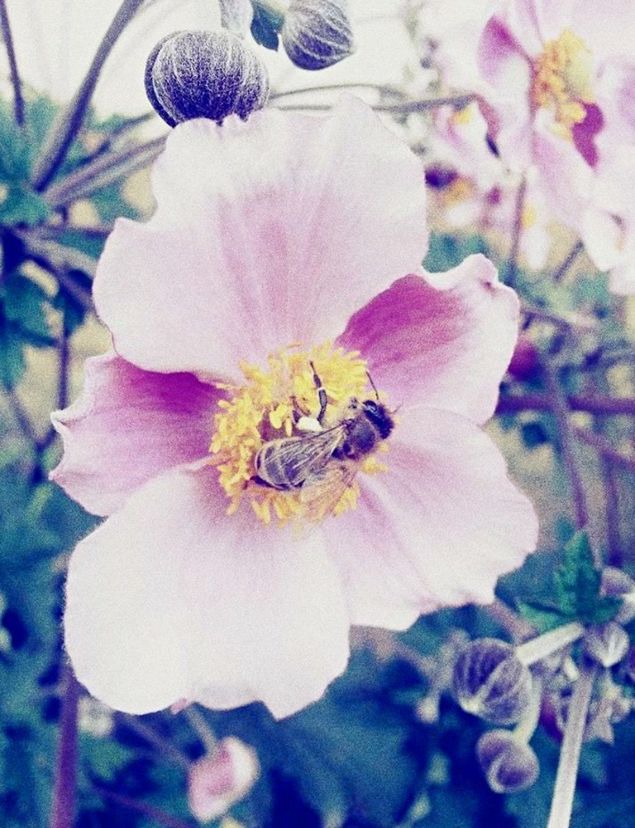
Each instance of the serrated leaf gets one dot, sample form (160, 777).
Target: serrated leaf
(265, 27)
(577, 585)
(577, 581)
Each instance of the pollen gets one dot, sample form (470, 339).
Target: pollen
(562, 81)
(270, 405)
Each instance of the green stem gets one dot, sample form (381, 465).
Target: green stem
(564, 791)
(550, 642)
(63, 131)
(336, 87)
(561, 413)
(458, 101)
(103, 171)
(561, 271)
(527, 725)
(201, 728)
(517, 230)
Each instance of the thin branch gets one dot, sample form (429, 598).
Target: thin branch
(561, 413)
(20, 415)
(102, 171)
(63, 808)
(458, 101)
(18, 100)
(63, 131)
(150, 811)
(605, 448)
(561, 271)
(601, 405)
(60, 255)
(517, 229)
(54, 231)
(63, 278)
(163, 746)
(564, 791)
(336, 87)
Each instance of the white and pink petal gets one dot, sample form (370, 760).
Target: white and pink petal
(443, 340)
(438, 528)
(127, 426)
(266, 233)
(170, 599)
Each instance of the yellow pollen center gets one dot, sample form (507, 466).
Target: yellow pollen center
(276, 403)
(562, 80)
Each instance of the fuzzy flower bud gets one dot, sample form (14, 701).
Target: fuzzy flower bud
(317, 33)
(490, 682)
(508, 763)
(220, 779)
(606, 644)
(617, 584)
(204, 75)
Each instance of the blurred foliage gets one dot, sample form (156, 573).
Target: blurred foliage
(365, 756)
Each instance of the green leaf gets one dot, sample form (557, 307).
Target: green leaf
(25, 305)
(540, 615)
(20, 205)
(265, 27)
(577, 585)
(12, 362)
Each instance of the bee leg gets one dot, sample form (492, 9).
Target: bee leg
(321, 394)
(259, 482)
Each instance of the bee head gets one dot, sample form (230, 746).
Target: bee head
(379, 416)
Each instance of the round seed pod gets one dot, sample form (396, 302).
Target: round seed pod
(509, 764)
(317, 33)
(204, 75)
(490, 682)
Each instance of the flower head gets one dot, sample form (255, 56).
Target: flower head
(260, 318)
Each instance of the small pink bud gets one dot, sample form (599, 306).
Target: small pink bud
(220, 779)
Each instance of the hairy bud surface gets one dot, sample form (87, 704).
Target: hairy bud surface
(317, 33)
(204, 75)
(508, 763)
(490, 682)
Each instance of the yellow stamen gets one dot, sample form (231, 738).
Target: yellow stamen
(562, 80)
(267, 407)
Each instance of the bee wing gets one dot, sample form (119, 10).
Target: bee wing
(323, 489)
(304, 455)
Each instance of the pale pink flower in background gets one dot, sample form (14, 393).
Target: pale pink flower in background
(275, 242)
(220, 779)
(549, 102)
(472, 189)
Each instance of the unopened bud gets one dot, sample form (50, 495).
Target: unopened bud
(220, 779)
(317, 33)
(607, 644)
(490, 682)
(508, 763)
(204, 75)
(617, 584)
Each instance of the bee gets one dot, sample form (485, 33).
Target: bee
(324, 461)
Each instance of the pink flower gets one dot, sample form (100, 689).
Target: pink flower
(221, 779)
(277, 251)
(549, 98)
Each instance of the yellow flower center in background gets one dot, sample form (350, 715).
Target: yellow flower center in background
(275, 403)
(562, 80)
